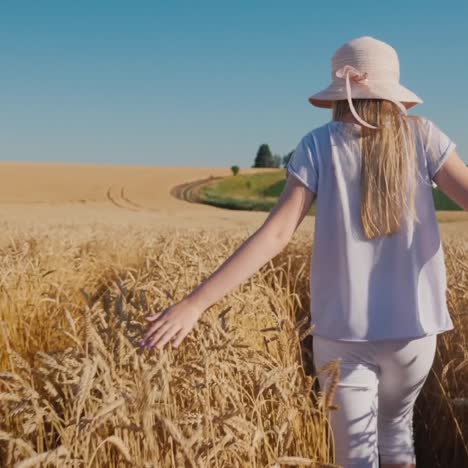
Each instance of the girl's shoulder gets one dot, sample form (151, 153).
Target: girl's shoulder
(420, 124)
(318, 133)
(424, 124)
(429, 132)
(419, 120)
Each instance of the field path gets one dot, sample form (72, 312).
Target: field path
(189, 191)
(59, 193)
(51, 193)
(118, 197)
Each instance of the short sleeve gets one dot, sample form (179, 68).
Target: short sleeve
(303, 165)
(438, 147)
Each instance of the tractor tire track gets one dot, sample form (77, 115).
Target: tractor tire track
(114, 199)
(190, 191)
(120, 200)
(130, 202)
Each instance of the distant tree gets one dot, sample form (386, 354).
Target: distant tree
(235, 170)
(276, 160)
(264, 157)
(287, 157)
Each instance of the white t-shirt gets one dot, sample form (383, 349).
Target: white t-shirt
(387, 288)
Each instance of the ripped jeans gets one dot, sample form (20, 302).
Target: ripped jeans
(376, 393)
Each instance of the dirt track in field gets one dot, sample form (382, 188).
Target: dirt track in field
(190, 191)
(82, 194)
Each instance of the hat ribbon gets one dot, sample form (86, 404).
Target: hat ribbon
(359, 77)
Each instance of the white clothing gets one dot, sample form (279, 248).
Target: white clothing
(378, 386)
(392, 287)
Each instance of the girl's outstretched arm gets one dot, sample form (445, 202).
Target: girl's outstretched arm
(265, 243)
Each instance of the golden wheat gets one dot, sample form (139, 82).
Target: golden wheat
(240, 391)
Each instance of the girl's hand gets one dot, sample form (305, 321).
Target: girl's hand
(174, 321)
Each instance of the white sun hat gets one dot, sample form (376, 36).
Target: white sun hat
(365, 67)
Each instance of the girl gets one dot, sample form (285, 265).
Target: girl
(377, 284)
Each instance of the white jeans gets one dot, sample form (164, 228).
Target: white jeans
(377, 389)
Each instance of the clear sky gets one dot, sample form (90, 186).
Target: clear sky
(204, 83)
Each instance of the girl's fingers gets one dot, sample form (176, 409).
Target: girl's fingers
(178, 337)
(152, 317)
(166, 337)
(153, 328)
(163, 336)
(160, 332)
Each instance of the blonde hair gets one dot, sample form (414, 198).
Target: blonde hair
(388, 169)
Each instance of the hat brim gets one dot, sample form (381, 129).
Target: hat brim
(337, 91)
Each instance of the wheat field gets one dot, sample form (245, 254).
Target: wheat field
(87, 251)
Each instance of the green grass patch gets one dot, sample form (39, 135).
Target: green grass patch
(260, 192)
(442, 202)
(249, 185)
(255, 192)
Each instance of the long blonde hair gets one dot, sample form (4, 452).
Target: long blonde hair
(388, 170)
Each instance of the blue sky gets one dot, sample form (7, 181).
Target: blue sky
(205, 83)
